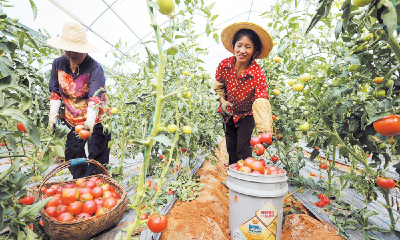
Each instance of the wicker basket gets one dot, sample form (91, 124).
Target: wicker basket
(81, 229)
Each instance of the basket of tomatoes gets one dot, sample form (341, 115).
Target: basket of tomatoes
(81, 208)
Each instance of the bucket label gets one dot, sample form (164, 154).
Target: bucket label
(235, 199)
(262, 226)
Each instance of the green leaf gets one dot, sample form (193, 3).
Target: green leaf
(21, 235)
(214, 17)
(21, 38)
(6, 67)
(33, 210)
(1, 215)
(12, 46)
(12, 142)
(164, 140)
(30, 234)
(34, 9)
(214, 162)
(28, 35)
(59, 150)
(209, 7)
(369, 214)
(61, 132)
(25, 103)
(46, 160)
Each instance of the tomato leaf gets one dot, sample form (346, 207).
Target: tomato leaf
(214, 162)
(33, 210)
(164, 140)
(397, 167)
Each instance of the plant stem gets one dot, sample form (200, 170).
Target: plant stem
(394, 45)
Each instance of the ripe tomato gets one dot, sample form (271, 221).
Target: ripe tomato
(262, 161)
(85, 197)
(112, 189)
(161, 157)
(50, 192)
(43, 190)
(116, 195)
(240, 164)
(89, 207)
(59, 190)
(273, 117)
(83, 216)
(259, 149)
(55, 202)
(69, 185)
(28, 200)
(171, 192)
(386, 183)
(326, 200)
(257, 166)
(313, 174)
(274, 159)
(106, 187)
(378, 80)
(75, 208)
(184, 150)
(41, 222)
(97, 192)
(255, 140)
(245, 169)
(84, 190)
(148, 183)
(21, 127)
(388, 126)
(100, 211)
(99, 201)
(80, 182)
(51, 211)
(320, 196)
(248, 161)
(325, 166)
(83, 134)
(60, 209)
(155, 187)
(107, 194)
(78, 128)
(94, 179)
(266, 138)
(320, 204)
(70, 195)
(65, 217)
(90, 184)
(142, 206)
(110, 203)
(317, 148)
(99, 182)
(157, 223)
(144, 216)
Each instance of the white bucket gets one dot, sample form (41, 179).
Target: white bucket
(248, 193)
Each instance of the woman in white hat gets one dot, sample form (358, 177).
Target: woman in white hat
(241, 85)
(75, 79)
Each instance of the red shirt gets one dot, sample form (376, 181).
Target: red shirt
(242, 90)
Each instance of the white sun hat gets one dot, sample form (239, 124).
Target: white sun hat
(73, 38)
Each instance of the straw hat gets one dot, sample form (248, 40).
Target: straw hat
(228, 33)
(73, 38)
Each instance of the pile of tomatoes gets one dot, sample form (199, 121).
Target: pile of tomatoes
(84, 200)
(323, 201)
(257, 143)
(251, 165)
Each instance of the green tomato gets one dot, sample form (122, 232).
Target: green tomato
(306, 113)
(276, 92)
(172, 128)
(166, 6)
(187, 129)
(352, 68)
(187, 95)
(304, 127)
(380, 94)
(114, 110)
(382, 145)
(389, 83)
(368, 37)
(186, 73)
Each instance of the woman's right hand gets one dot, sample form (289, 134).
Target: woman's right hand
(53, 117)
(224, 108)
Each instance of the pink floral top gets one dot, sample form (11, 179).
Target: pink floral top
(242, 90)
(77, 89)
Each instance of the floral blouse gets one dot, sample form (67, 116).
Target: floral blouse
(243, 90)
(78, 89)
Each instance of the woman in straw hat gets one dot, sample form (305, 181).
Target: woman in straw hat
(241, 85)
(75, 79)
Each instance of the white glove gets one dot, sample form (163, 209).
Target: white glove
(53, 115)
(90, 119)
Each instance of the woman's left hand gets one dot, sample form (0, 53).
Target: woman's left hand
(89, 126)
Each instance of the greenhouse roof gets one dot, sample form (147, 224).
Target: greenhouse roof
(128, 20)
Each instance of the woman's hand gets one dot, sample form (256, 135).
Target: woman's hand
(224, 108)
(89, 125)
(53, 117)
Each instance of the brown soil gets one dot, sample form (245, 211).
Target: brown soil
(206, 217)
(296, 205)
(304, 227)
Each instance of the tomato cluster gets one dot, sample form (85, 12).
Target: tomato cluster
(251, 165)
(323, 201)
(85, 199)
(257, 143)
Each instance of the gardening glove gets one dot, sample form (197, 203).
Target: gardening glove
(53, 115)
(224, 108)
(219, 89)
(90, 119)
(262, 116)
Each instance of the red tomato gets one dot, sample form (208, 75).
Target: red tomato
(248, 161)
(60, 209)
(148, 183)
(51, 211)
(325, 166)
(21, 127)
(266, 138)
(89, 207)
(157, 223)
(112, 189)
(273, 117)
(83, 216)
(50, 192)
(245, 169)
(75, 208)
(171, 192)
(144, 216)
(326, 200)
(110, 203)
(97, 192)
(80, 182)
(161, 157)
(78, 128)
(59, 190)
(262, 161)
(107, 194)
(386, 183)
(83, 134)
(94, 179)
(275, 159)
(240, 163)
(99, 182)
(317, 148)
(99, 201)
(273, 168)
(320, 195)
(85, 190)
(69, 185)
(184, 150)
(155, 187)
(116, 195)
(142, 206)
(91, 184)
(255, 140)
(55, 186)
(65, 217)
(43, 190)
(100, 211)
(41, 222)
(257, 167)
(85, 197)
(106, 187)
(28, 200)
(54, 202)
(320, 204)
(388, 126)
(259, 149)
(70, 195)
